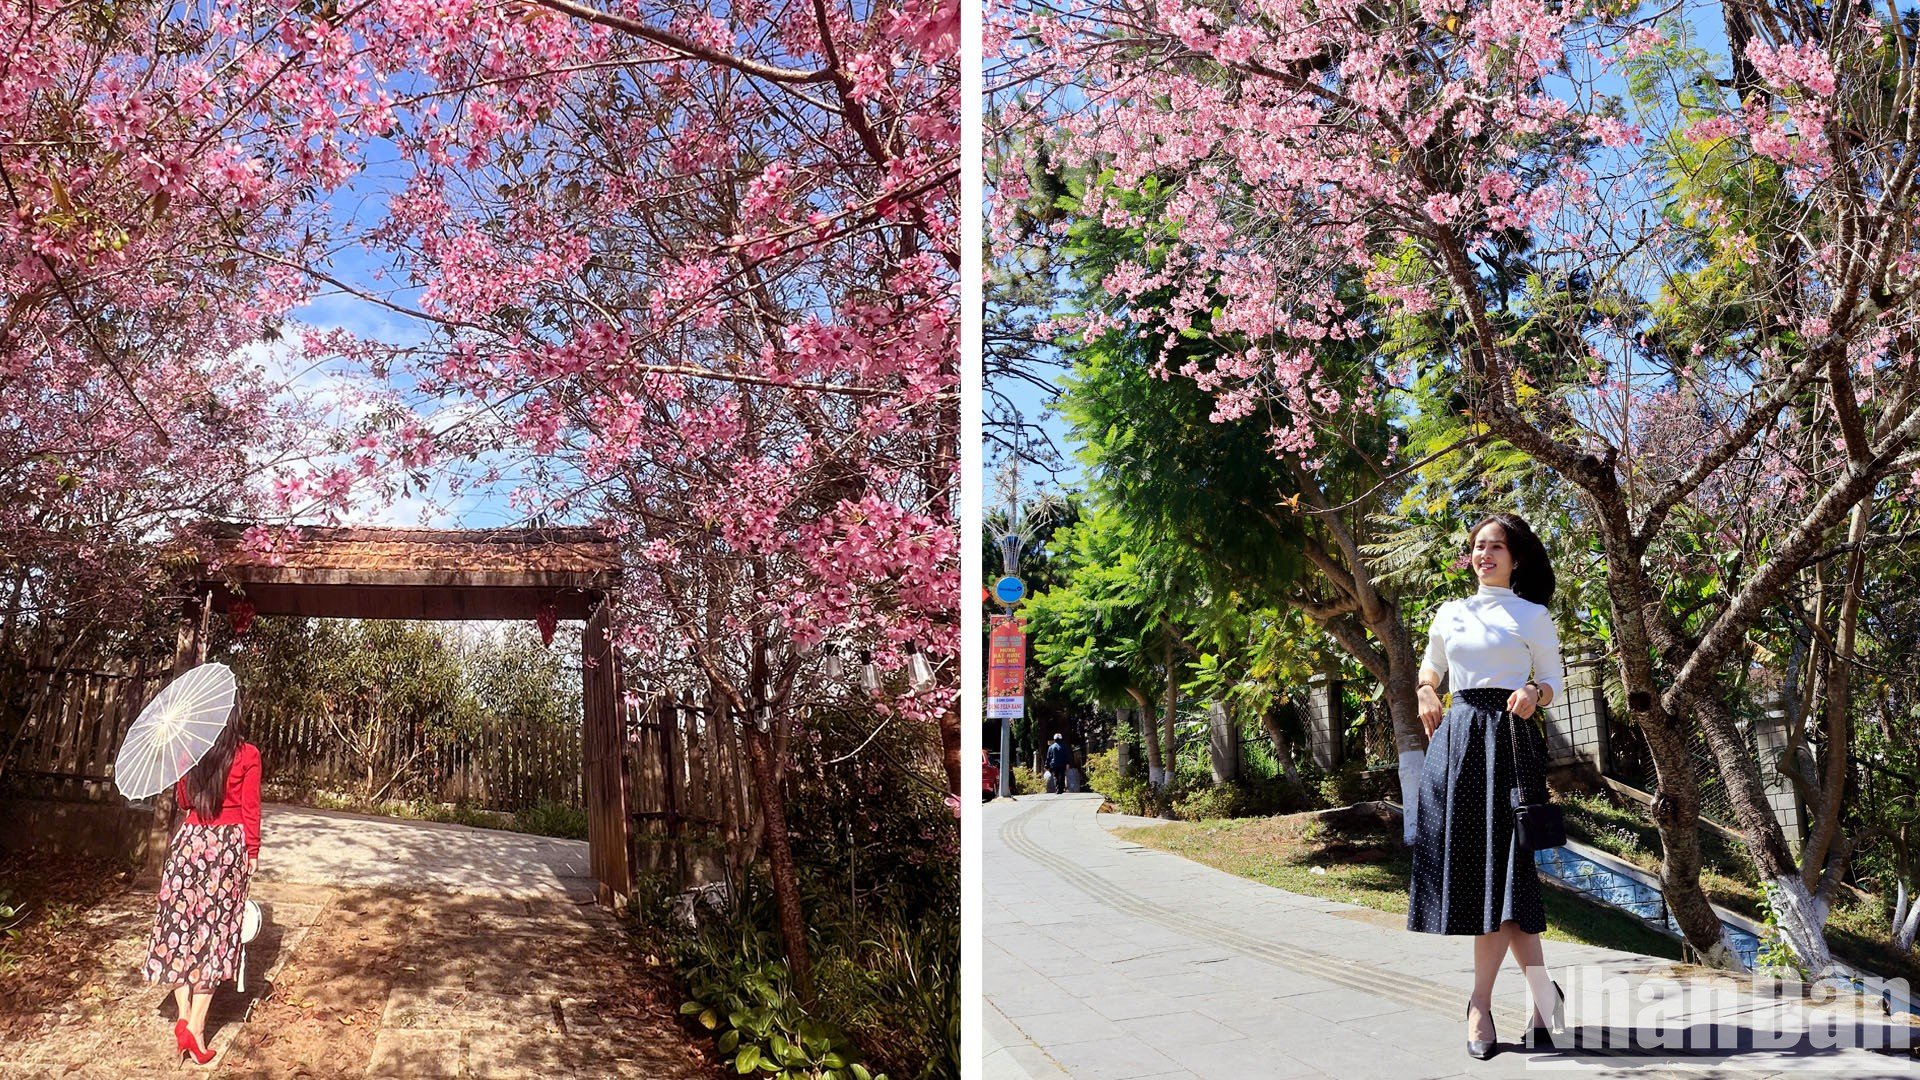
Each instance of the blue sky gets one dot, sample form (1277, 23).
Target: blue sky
(361, 204)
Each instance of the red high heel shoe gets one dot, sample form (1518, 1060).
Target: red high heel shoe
(182, 1036)
(199, 1054)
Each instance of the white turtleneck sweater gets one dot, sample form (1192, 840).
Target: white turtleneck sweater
(1494, 638)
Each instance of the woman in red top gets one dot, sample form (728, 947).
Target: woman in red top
(196, 932)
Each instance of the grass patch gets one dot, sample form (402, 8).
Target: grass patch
(1368, 870)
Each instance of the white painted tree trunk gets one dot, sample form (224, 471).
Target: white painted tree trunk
(1803, 921)
(1906, 920)
(1411, 762)
(1723, 956)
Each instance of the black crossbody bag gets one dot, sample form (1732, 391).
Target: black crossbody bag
(1536, 825)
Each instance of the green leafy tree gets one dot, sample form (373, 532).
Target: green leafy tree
(1113, 632)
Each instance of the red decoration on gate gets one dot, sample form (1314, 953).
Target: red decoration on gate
(547, 618)
(240, 613)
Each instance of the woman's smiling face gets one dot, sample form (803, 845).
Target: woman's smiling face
(1490, 556)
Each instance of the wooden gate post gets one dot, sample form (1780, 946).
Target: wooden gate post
(603, 746)
(189, 651)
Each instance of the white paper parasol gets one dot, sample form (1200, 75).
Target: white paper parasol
(173, 731)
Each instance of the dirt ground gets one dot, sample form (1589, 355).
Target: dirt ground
(343, 982)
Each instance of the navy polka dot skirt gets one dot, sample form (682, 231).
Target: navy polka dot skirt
(1469, 875)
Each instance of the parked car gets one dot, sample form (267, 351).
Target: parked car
(989, 777)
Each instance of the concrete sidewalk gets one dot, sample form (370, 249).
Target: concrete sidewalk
(1108, 959)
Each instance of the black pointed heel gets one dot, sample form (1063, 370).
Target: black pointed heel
(1541, 1038)
(1477, 1048)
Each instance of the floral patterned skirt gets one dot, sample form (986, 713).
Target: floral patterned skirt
(196, 931)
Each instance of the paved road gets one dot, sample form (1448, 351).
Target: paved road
(1106, 959)
(325, 847)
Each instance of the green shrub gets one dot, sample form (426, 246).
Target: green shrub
(741, 991)
(547, 818)
(1261, 797)
(1028, 781)
(1218, 801)
(1129, 795)
(760, 1028)
(1344, 786)
(871, 820)
(899, 997)
(876, 849)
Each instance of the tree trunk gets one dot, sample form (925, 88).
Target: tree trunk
(1906, 920)
(12, 623)
(1170, 753)
(1403, 707)
(1282, 747)
(1676, 814)
(1802, 916)
(1825, 836)
(1150, 736)
(1223, 744)
(1394, 663)
(786, 884)
(1676, 803)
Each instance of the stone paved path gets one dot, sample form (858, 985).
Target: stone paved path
(325, 847)
(1106, 959)
(393, 949)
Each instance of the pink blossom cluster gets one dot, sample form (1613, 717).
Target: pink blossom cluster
(695, 265)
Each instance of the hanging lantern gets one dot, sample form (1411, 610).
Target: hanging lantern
(240, 613)
(546, 619)
(922, 672)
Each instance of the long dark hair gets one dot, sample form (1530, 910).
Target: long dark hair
(207, 780)
(1532, 573)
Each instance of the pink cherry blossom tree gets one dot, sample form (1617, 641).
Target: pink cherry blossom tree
(134, 174)
(693, 269)
(1587, 228)
(703, 266)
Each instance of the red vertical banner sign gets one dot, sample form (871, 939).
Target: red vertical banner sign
(1007, 670)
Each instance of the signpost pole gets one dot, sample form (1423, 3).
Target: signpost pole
(1006, 756)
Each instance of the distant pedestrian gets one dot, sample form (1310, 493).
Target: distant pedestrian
(1500, 653)
(196, 930)
(1058, 759)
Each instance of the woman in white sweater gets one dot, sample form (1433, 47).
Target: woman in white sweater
(1500, 654)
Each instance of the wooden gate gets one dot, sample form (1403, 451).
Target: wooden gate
(694, 819)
